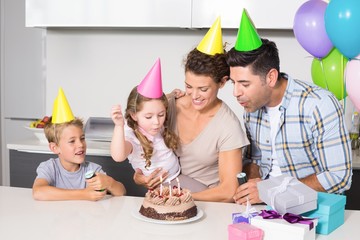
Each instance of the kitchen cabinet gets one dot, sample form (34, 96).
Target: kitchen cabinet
(274, 14)
(108, 13)
(159, 13)
(23, 170)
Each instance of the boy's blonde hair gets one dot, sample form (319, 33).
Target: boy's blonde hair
(53, 131)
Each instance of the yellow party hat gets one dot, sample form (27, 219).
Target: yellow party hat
(61, 109)
(212, 43)
(247, 37)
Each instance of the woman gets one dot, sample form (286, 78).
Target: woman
(210, 134)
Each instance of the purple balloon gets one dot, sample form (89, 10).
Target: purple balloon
(309, 28)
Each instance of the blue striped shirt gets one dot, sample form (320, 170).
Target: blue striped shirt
(312, 137)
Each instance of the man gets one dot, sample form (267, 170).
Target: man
(294, 127)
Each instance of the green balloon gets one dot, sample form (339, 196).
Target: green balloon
(328, 73)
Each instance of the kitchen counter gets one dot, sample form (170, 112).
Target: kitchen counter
(94, 148)
(98, 148)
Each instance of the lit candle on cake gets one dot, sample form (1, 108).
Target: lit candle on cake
(178, 183)
(161, 186)
(170, 188)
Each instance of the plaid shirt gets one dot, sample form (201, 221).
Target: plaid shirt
(312, 137)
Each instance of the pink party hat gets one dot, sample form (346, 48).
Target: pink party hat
(212, 43)
(151, 85)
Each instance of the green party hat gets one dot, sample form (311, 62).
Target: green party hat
(247, 37)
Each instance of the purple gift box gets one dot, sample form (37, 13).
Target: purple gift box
(287, 194)
(241, 217)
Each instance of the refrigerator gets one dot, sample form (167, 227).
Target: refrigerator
(23, 78)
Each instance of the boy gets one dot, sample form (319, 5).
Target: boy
(63, 178)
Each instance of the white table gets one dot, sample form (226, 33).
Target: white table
(21, 217)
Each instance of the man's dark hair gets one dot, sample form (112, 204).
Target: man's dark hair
(261, 60)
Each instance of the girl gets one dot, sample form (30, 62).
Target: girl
(144, 139)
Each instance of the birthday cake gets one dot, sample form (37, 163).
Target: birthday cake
(168, 204)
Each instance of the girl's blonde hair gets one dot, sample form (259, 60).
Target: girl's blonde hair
(53, 131)
(134, 104)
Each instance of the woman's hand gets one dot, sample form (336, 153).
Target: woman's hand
(151, 181)
(177, 93)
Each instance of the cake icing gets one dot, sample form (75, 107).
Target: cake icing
(162, 205)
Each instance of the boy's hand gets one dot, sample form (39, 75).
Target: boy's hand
(93, 195)
(98, 182)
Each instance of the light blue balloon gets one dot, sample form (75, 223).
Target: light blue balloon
(342, 21)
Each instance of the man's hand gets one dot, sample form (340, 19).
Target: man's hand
(249, 191)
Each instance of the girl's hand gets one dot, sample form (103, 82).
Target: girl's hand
(117, 115)
(151, 181)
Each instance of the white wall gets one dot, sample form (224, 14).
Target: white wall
(98, 67)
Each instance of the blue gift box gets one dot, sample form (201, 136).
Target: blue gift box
(330, 212)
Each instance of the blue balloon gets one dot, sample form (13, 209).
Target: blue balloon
(342, 21)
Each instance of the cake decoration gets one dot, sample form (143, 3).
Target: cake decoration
(169, 203)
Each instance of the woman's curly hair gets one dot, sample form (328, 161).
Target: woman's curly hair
(200, 63)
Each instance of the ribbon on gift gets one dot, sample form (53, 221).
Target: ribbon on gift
(286, 182)
(247, 215)
(289, 217)
(293, 218)
(270, 214)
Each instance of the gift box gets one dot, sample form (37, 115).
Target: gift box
(287, 194)
(330, 212)
(280, 229)
(241, 218)
(244, 231)
(246, 215)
